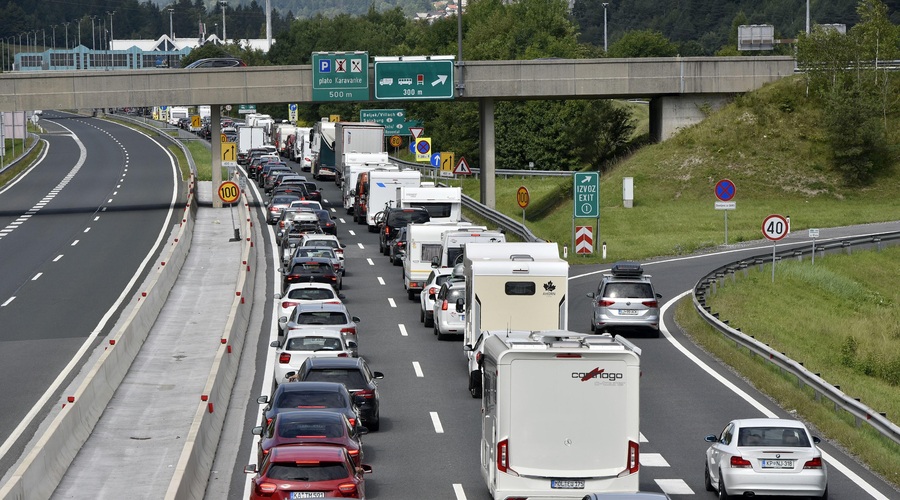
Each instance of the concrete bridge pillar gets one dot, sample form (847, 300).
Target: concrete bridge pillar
(215, 142)
(670, 113)
(486, 149)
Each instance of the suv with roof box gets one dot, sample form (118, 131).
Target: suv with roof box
(625, 300)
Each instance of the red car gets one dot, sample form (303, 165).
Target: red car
(311, 427)
(291, 472)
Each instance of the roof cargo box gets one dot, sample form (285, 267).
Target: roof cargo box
(627, 268)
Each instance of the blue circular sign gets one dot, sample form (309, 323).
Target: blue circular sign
(412, 146)
(292, 107)
(423, 147)
(725, 190)
(436, 160)
(163, 108)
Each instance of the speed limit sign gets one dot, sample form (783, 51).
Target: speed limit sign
(775, 227)
(229, 192)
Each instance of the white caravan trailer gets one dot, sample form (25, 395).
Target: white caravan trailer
(356, 163)
(560, 415)
(423, 246)
(382, 190)
(454, 242)
(301, 149)
(444, 204)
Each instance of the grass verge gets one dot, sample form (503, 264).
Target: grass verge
(23, 165)
(844, 323)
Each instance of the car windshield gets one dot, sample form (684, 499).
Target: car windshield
(284, 200)
(404, 217)
(352, 379)
(314, 344)
(628, 290)
(310, 294)
(319, 471)
(773, 436)
(322, 318)
(315, 252)
(322, 243)
(311, 268)
(311, 400)
(311, 430)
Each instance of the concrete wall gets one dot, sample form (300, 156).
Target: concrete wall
(668, 114)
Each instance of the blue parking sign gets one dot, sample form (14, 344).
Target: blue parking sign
(324, 65)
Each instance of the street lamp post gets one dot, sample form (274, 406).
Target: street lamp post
(171, 29)
(53, 35)
(605, 4)
(223, 3)
(112, 36)
(93, 38)
(67, 34)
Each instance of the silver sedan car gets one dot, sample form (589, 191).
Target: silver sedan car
(765, 456)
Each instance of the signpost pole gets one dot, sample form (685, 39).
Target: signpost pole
(813, 253)
(773, 262)
(726, 227)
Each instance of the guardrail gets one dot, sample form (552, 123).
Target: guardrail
(505, 172)
(805, 378)
(26, 153)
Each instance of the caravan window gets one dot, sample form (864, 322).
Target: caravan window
(430, 251)
(454, 254)
(520, 288)
(435, 209)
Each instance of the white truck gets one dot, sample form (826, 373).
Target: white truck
(356, 137)
(301, 148)
(454, 242)
(249, 138)
(423, 245)
(280, 136)
(444, 204)
(511, 286)
(354, 164)
(560, 415)
(381, 190)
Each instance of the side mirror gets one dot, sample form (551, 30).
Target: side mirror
(591, 295)
(257, 431)
(468, 348)
(341, 296)
(343, 245)
(282, 322)
(460, 305)
(275, 343)
(431, 296)
(288, 375)
(277, 295)
(356, 319)
(658, 295)
(378, 375)
(816, 440)
(351, 344)
(362, 430)
(250, 469)
(262, 400)
(367, 469)
(711, 438)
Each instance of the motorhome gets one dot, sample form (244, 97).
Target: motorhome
(454, 242)
(177, 113)
(422, 247)
(323, 149)
(353, 165)
(301, 150)
(356, 137)
(260, 120)
(280, 136)
(444, 204)
(543, 394)
(381, 190)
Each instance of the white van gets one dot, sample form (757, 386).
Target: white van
(423, 245)
(177, 113)
(454, 242)
(444, 204)
(301, 151)
(560, 414)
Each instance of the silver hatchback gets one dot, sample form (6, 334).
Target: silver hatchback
(625, 300)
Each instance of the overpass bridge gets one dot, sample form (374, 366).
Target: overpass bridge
(678, 88)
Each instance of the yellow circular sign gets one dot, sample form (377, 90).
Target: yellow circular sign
(522, 197)
(396, 141)
(229, 192)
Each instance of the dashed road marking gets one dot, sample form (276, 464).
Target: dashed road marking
(369, 260)
(418, 369)
(458, 491)
(391, 302)
(403, 330)
(436, 421)
(653, 460)
(674, 487)
(381, 281)
(36, 276)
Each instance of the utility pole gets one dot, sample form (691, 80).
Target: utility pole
(53, 35)
(93, 38)
(223, 3)
(605, 4)
(171, 29)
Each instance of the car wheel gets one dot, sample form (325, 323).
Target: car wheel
(421, 315)
(824, 494)
(429, 321)
(723, 493)
(475, 384)
(411, 294)
(374, 424)
(707, 480)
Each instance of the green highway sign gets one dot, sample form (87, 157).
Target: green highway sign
(394, 120)
(587, 194)
(417, 77)
(340, 76)
(246, 108)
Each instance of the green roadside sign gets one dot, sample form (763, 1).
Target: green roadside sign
(410, 78)
(340, 76)
(393, 120)
(587, 195)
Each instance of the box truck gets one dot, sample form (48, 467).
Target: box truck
(280, 137)
(356, 137)
(381, 190)
(423, 245)
(249, 138)
(444, 204)
(560, 415)
(323, 150)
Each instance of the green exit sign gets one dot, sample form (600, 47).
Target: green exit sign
(340, 76)
(422, 77)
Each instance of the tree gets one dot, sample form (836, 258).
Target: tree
(643, 43)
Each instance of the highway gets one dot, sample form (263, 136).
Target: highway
(80, 229)
(429, 439)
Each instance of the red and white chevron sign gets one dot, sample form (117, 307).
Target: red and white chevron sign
(584, 239)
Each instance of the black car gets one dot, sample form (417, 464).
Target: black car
(397, 246)
(298, 396)
(298, 190)
(353, 373)
(311, 270)
(314, 193)
(392, 219)
(216, 62)
(326, 223)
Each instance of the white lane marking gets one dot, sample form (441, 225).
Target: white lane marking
(352, 233)
(87, 229)
(436, 421)
(96, 218)
(369, 260)
(643, 438)
(332, 208)
(109, 200)
(418, 369)
(341, 220)
(653, 460)
(36, 276)
(74, 243)
(381, 281)
(361, 247)
(674, 487)
(865, 486)
(391, 302)
(115, 193)
(8, 301)
(458, 491)
(403, 330)
(58, 257)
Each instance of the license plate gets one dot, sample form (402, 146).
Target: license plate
(777, 464)
(568, 484)
(307, 494)
(627, 312)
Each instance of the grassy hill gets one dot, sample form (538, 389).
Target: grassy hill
(769, 143)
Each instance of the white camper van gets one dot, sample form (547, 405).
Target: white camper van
(382, 190)
(560, 414)
(511, 286)
(444, 204)
(355, 164)
(422, 247)
(301, 149)
(454, 242)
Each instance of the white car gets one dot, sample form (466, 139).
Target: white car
(298, 345)
(308, 293)
(426, 297)
(765, 456)
(449, 309)
(333, 317)
(310, 204)
(323, 240)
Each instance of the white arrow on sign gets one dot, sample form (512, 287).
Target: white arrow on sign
(441, 80)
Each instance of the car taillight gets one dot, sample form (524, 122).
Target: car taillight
(352, 421)
(347, 488)
(268, 488)
(333, 278)
(366, 393)
(478, 357)
(651, 303)
(387, 231)
(349, 330)
(284, 358)
(401, 244)
(634, 457)
(740, 463)
(268, 421)
(605, 303)
(286, 304)
(444, 305)
(342, 355)
(503, 455)
(432, 290)
(353, 453)
(815, 463)
(265, 452)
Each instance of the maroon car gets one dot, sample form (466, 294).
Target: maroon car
(311, 427)
(290, 472)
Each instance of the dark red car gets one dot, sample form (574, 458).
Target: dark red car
(290, 472)
(311, 427)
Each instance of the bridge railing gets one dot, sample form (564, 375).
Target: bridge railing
(716, 278)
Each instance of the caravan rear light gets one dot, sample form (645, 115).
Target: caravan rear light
(568, 355)
(634, 457)
(444, 305)
(503, 455)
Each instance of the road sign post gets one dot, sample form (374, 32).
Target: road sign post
(814, 234)
(584, 239)
(229, 192)
(586, 199)
(774, 228)
(725, 191)
(523, 198)
(229, 155)
(411, 78)
(340, 76)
